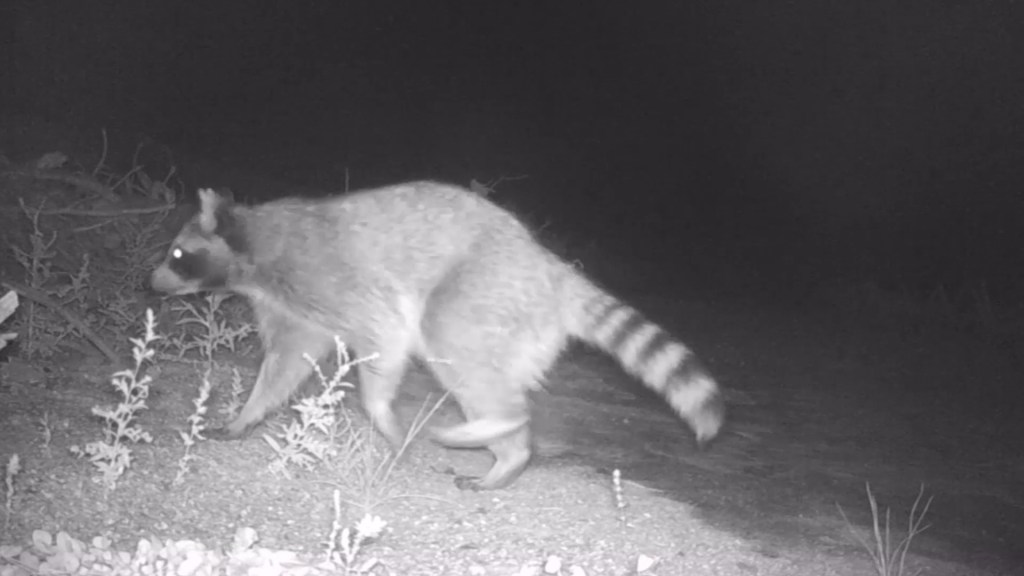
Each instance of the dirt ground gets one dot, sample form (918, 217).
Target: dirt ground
(818, 407)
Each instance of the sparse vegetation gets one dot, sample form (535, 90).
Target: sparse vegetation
(325, 429)
(46, 425)
(367, 463)
(345, 542)
(888, 556)
(13, 467)
(113, 455)
(194, 434)
(233, 405)
(205, 328)
(42, 334)
(71, 293)
(311, 437)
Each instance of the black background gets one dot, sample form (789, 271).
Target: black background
(778, 143)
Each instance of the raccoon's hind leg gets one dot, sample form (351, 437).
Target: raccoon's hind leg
(493, 405)
(494, 344)
(497, 417)
(283, 370)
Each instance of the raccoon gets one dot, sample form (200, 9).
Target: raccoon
(424, 270)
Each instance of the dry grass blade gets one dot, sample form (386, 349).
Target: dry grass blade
(368, 465)
(90, 335)
(890, 559)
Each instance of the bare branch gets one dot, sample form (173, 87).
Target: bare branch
(41, 298)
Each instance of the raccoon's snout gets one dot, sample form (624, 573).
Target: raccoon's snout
(166, 281)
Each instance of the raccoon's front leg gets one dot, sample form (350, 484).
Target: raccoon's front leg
(379, 380)
(284, 369)
(497, 416)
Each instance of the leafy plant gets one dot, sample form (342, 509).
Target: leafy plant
(112, 455)
(195, 431)
(13, 467)
(234, 404)
(310, 437)
(211, 328)
(351, 541)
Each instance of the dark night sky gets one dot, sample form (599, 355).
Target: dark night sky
(800, 139)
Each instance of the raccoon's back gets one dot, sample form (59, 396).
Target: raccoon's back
(407, 237)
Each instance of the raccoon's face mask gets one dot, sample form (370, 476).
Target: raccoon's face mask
(200, 258)
(186, 272)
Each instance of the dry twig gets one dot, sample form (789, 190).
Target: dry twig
(113, 212)
(41, 298)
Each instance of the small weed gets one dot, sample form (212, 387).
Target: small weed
(310, 438)
(367, 462)
(112, 455)
(43, 332)
(74, 292)
(213, 329)
(234, 404)
(47, 426)
(352, 541)
(13, 467)
(325, 428)
(121, 310)
(888, 558)
(196, 427)
(137, 239)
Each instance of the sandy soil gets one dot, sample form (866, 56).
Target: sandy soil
(819, 405)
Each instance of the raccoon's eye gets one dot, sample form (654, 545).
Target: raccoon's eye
(194, 265)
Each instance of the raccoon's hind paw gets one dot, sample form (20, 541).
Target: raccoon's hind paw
(502, 475)
(471, 483)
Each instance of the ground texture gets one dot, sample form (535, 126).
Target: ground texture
(818, 407)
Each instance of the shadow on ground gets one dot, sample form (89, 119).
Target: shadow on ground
(816, 412)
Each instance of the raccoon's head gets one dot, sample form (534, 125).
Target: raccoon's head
(206, 253)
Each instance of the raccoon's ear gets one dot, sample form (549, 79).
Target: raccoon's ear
(210, 203)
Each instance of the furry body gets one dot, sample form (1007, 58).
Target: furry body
(429, 270)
